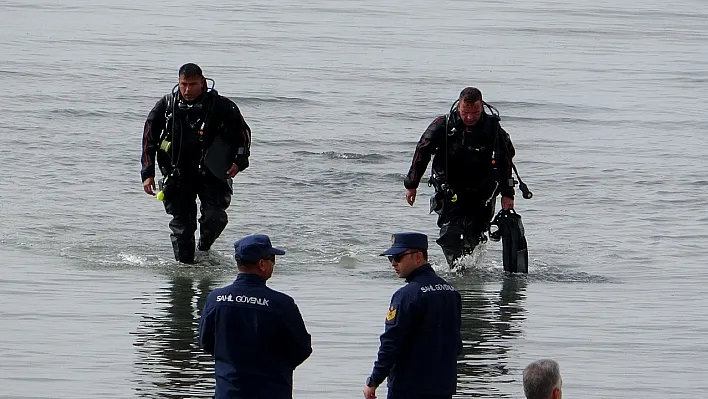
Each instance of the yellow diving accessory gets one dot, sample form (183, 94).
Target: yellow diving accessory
(165, 145)
(161, 194)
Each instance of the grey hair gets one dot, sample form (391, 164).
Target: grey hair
(540, 377)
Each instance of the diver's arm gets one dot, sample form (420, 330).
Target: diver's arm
(154, 125)
(239, 136)
(506, 153)
(424, 150)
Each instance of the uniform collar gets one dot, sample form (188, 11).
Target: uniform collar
(250, 278)
(423, 269)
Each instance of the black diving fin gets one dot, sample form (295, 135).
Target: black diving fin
(511, 231)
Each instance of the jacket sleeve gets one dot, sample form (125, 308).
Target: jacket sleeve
(238, 135)
(154, 125)
(506, 154)
(206, 327)
(427, 145)
(300, 347)
(399, 322)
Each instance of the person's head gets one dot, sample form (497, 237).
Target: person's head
(471, 106)
(542, 380)
(191, 81)
(255, 254)
(408, 252)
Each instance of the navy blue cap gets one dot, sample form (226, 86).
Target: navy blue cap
(254, 248)
(404, 241)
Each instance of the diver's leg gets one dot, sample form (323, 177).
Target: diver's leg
(450, 241)
(475, 224)
(471, 235)
(214, 197)
(183, 208)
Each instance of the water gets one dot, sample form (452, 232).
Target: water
(604, 102)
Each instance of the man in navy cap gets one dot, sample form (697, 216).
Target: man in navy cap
(422, 340)
(256, 334)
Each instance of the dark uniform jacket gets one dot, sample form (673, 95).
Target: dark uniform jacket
(257, 337)
(422, 340)
(219, 116)
(475, 161)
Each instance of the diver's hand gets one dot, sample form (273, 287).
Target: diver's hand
(149, 185)
(370, 392)
(233, 170)
(410, 196)
(507, 203)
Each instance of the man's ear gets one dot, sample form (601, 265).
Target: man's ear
(262, 265)
(421, 258)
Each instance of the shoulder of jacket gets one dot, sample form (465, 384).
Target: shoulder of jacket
(225, 104)
(163, 101)
(492, 123)
(443, 281)
(278, 296)
(410, 290)
(217, 291)
(165, 104)
(218, 98)
(440, 120)
(437, 126)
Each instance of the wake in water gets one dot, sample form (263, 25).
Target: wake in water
(484, 265)
(101, 256)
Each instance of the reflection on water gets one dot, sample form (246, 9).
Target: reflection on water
(490, 321)
(169, 362)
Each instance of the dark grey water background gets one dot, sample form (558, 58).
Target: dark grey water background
(605, 102)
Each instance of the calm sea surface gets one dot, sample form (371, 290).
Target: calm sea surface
(605, 102)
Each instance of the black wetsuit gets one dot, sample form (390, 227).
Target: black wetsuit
(475, 163)
(174, 120)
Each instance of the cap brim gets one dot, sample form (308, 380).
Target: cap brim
(393, 251)
(277, 251)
